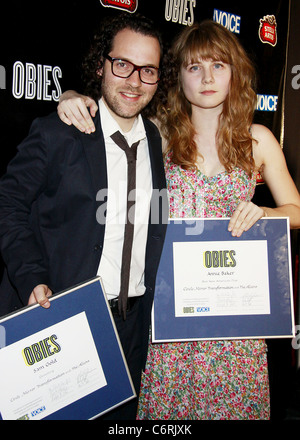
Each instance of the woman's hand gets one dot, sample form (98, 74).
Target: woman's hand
(73, 109)
(244, 217)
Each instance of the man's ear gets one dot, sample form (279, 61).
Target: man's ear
(99, 71)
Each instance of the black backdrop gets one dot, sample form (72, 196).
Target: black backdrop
(41, 50)
(48, 43)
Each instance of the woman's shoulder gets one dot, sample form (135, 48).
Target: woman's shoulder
(265, 145)
(262, 134)
(260, 130)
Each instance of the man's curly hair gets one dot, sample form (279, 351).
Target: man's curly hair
(103, 42)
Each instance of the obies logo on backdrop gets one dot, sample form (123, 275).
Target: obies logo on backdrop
(39, 81)
(31, 81)
(180, 11)
(127, 5)
(268, 30)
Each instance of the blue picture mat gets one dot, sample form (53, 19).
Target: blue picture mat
(88, 298)
(166, 327)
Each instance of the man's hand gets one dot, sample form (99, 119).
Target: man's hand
(40, 295)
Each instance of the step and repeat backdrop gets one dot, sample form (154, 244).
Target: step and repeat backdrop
(42, 47)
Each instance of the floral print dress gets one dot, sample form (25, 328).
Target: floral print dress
(206, 380)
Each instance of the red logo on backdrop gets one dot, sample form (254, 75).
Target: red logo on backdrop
(268, 30)
(127, 5)
(259, 179)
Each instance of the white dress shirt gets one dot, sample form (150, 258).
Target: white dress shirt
(111, 259)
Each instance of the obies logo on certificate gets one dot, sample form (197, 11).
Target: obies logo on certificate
(56, 366)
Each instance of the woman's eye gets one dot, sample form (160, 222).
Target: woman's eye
(218, 66)
(194, 68)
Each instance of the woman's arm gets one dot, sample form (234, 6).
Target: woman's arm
(73, 109)
(270, 159)
(275, 173)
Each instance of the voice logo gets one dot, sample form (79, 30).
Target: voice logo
(267, 103)
(203, 309)
(232, 22)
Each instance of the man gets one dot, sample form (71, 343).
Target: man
(63, 200)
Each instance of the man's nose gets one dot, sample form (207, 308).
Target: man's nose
(134, 79)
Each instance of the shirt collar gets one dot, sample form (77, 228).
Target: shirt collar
(110, 126)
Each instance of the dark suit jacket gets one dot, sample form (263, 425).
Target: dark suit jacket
(48, 228)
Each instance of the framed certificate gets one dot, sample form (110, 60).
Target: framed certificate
(65, 362)
(211, 285)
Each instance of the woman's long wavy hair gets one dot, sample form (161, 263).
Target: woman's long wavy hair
(209, 40)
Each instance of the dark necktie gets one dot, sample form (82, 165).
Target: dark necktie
(131, 154)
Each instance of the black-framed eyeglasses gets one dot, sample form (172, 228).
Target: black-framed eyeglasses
(124, 69)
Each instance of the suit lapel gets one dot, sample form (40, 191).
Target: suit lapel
(94, 148)
(155, 153)
(161, 210)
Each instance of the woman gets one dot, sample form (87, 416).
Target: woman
(213, 154)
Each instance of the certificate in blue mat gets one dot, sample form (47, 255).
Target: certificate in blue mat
(211, 285)
(65, 362)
